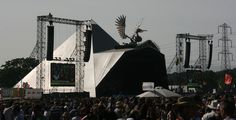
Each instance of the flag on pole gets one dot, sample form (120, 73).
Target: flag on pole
(228, 79)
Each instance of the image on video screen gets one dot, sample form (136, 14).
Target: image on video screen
(62, 74)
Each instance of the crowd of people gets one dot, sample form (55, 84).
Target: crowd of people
(193, 107)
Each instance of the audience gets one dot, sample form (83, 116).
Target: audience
(121, 108)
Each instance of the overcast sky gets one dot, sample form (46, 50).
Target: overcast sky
(162, 18)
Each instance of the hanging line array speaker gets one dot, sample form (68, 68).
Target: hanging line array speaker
(50, 42)
(187, 53)
(210, 54)
(87, 44)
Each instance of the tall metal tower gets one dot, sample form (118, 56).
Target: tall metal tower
(225, 52)
(179, 53)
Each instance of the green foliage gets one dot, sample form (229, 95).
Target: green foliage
(209, 79)
(14, 70)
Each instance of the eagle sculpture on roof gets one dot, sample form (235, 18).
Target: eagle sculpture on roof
(135, 38)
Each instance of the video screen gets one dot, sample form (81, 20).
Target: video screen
(62, 74)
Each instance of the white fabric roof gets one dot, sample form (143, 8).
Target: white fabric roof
(166, 93)
(148, 94)
(159, 92)
(95, 70)
(103, 62)
(66, 49)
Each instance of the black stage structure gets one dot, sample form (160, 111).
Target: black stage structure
(144, 63)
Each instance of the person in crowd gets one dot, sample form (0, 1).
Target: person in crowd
(65, 116)
(119, 110)
(73, 112)
(8, 110)
(55, 111)
(212, 114)
(1, 110)
(186, 108)
(227, 108)
(171, 115)
(47, 112)
(18, 112)
(38, 113)
(135, 113)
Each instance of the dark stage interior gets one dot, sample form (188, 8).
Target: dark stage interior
(145, 64)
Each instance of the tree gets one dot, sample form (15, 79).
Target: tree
(209, 81)
(14, 70)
